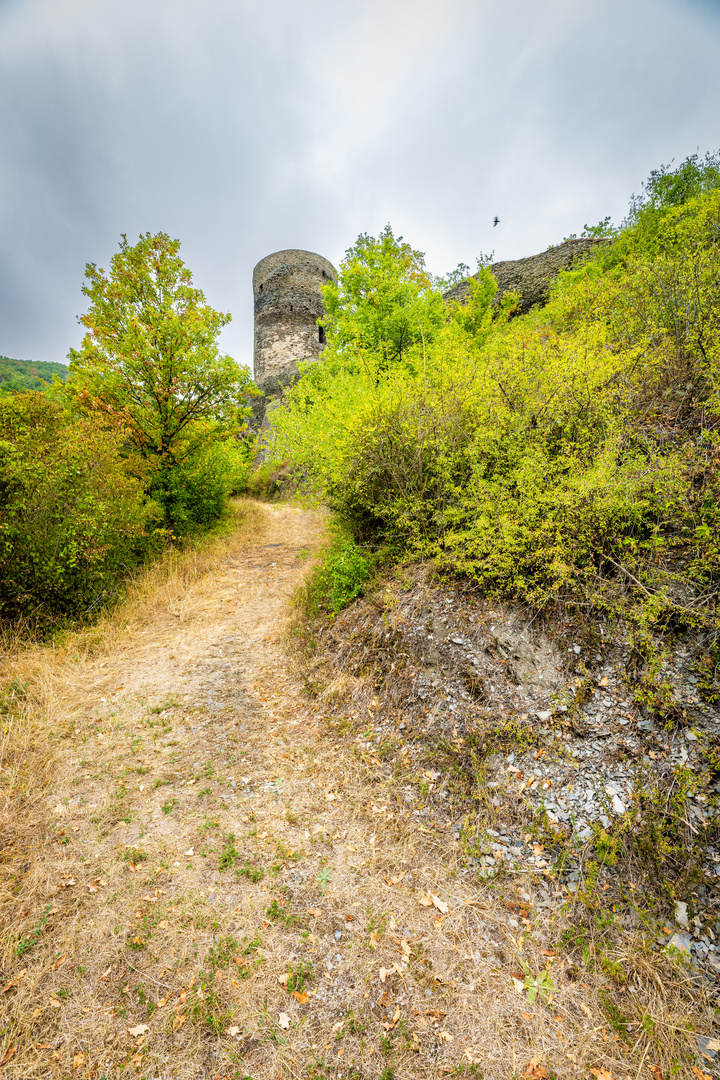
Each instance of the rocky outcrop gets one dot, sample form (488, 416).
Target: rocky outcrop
(532, 276)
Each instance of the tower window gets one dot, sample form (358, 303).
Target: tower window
(321, 334)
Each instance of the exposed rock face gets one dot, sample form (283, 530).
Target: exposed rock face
(532, 277)
(288, 303)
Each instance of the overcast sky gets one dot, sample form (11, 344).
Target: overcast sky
(245, 127)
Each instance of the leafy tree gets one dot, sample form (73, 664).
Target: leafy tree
(384, 304)
(149, 362)
(666, 187)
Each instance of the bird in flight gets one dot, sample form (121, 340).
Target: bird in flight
(496, 221)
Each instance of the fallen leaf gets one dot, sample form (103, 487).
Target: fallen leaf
(8, 1054)
(92, 888)
(60, 962)
(68, 883)
(698, 1072)
(54, 1003)
(439, 904)
(78, 1060)
(139, 1030)
(331, 796)
(535, 1070)
(519, 985)
(284, 979)
(179, 1021)
(60, 810)
(603, 682)
(15, 980)
(284, 1021)
(189, 853)
(657, 1072)
(396, 1016)
(384, 972)
(163, 924)
(316, 912)
(233, 1031)
(528, 1016)
(712, 1044)
(445, 1036)
(601, 1074)
(302, 997)
(374, 937)
(432, 774)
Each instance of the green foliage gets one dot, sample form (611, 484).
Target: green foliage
(567, 454)
(537, 986)
(150, 367)
(19, 375)
(300, 975)
(666, 187)
(222, 952)
(383, 307)
(73, 518)
(229, 854)
(339, 577)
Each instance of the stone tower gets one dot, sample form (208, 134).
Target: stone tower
(286, 288)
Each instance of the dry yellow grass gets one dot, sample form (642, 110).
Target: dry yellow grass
(183, 829)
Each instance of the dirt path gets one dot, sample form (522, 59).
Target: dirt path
(215, 886)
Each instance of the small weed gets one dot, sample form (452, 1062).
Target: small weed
(134, 856)
(229, 853)
(169, 806)
(536, 986)
(323, 878)
(275, 913)
(252, 873)
(300, 974)
(27, 943)
(221, 953)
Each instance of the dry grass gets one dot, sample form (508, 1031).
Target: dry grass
(199, 732)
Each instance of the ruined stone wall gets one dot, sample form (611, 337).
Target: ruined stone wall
(286, 290)
(532, 277)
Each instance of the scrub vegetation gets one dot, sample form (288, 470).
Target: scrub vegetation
(555, 457)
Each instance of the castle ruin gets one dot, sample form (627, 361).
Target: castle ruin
(288, 304)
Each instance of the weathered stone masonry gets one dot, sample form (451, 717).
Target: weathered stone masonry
(288, 304)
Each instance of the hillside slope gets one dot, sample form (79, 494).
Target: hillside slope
(16, 375)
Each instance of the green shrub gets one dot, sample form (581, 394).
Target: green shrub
(339, 577)
(73, 520)
(194, 490)
(569, 452)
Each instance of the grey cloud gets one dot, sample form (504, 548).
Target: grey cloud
(242, 129)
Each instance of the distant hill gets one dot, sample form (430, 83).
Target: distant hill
(28, 374)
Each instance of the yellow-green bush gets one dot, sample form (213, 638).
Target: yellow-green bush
(73, 519)
(544, 453)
